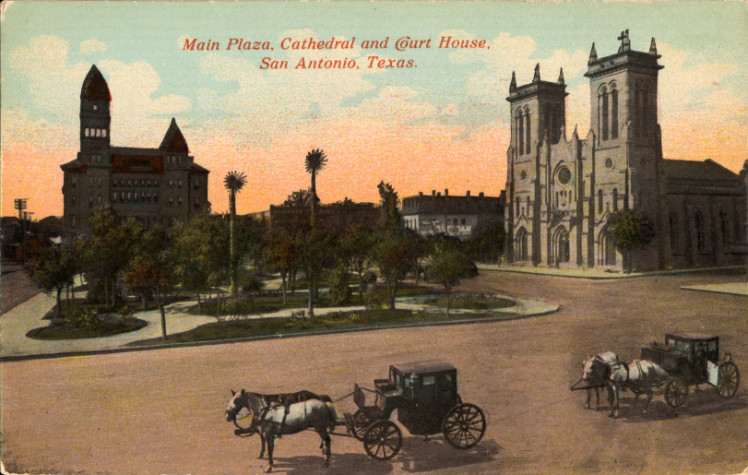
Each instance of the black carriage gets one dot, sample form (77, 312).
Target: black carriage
(691, 359)
(427, 402)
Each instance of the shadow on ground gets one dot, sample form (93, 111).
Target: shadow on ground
(698, 403)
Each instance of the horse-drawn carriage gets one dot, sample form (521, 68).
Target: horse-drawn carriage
(684, 359)
(693, 359)
(423, 394)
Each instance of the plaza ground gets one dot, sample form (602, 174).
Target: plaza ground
(162, 411)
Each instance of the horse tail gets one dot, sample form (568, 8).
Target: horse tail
(333, 414)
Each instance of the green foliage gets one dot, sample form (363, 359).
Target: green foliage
(199, 247)
(81, 317)
(340, 292)
(377, 298)
(389, 202)
(631, 231)
(448, 268)
(488, 243)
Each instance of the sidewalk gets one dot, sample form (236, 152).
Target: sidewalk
(598, 274)
(15, 324)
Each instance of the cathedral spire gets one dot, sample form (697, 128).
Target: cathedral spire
(625, 42)
(536, 77)
(513, 84)
(593, 54)
(561, 77)
(653, 47)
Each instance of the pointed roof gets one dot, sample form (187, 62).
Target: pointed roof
(513, 84)
(95, 88)
(593, 54)
(561, 76)
(536, 76)
(653, 47)
(174, 140)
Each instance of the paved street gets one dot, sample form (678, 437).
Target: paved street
(162, 411)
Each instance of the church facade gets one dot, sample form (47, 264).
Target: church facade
(561, 192)
(155, 186)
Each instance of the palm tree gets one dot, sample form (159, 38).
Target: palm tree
(315, 161)
(234, 182)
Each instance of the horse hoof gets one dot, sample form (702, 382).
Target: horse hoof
(268, 469)
(326, 464)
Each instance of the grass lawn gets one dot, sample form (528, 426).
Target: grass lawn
(472, 303)
(108, 328)
(286, 326)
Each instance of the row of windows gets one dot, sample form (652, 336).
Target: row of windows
(130, 197)
(143, 182)
(699, 226)
(94, 132)
(174, 159)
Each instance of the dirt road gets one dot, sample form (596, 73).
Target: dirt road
(162, 411)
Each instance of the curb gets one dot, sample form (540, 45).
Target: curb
(370, 327)
(616, 276)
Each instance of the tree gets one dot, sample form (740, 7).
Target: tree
(107, 252)
(488, 242)
(281, 255)
(55, 270)
(448, 267)
(392, 221)
(233, 182)
(199, 248)
(395, 256)
(151, 277)
(356, 247)
(314, 163)
(630, 231)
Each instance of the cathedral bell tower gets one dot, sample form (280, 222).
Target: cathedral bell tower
(95, 119)
(538, 117)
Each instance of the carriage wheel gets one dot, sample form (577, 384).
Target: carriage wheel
(676, 392)
(361, 422)
(243, 418)
(729, 379)
(383, 440)
(464, 426)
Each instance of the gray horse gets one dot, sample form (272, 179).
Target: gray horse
(271, 421)
(639, 376)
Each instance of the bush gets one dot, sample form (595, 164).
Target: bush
(80, 317)
(377, 298)
(340, 292)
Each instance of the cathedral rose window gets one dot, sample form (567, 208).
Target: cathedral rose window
(564, 175)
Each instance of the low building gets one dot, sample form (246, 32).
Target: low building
(335, 218)
(458, 216)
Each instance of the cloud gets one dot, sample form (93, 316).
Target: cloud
(92, 44)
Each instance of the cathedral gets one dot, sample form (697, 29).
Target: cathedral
(155, 186)
(561, 192)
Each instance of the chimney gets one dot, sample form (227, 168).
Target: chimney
(420, 193)
(446, 191)
(468, 193)
(480, 194)
(433, 192)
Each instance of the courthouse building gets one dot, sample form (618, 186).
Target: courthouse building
(560, 192)
(156, 186)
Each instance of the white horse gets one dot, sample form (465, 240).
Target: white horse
(595, 373)
(640, 376)
(271, 421)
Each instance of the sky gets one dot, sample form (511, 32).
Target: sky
(441, 121)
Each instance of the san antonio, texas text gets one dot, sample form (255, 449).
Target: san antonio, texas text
(372, 61)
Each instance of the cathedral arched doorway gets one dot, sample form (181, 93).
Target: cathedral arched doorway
(521, 245)
(607, 248)
(561, 245)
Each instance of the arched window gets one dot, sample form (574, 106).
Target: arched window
(604, 114)
(528, 207)
(521, 132)
(85, 132)
(637, 109)
(724, 227)
(674, 231)
(699, 224)
(614, 113)
(615, 199)
(645, 112)
(103, 132)
(527, 130)
(599, 201)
